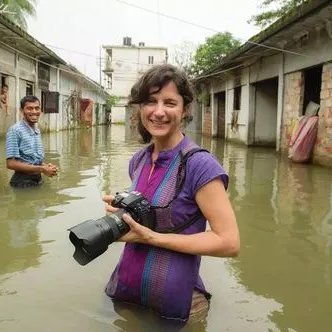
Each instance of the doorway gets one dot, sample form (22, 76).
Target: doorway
(220, 102)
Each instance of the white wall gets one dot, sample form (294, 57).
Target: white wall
(20, 70)
(128, 64)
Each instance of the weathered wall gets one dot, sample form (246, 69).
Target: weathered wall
(20, 72)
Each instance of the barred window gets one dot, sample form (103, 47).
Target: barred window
(50, 101)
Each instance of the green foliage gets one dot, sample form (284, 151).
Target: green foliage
(111, 101)
(18, 10)
(209, 54)
(273, 10)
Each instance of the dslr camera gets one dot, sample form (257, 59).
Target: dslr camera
(91, 238)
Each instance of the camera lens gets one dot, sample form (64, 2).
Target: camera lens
(91, 238)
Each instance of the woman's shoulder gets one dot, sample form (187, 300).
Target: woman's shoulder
(202, 167)
(202, 157)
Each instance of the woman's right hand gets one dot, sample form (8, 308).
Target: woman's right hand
(108, 199)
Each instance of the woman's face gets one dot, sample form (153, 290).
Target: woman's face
(162, 114)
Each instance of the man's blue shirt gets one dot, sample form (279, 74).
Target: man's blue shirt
(24, 143)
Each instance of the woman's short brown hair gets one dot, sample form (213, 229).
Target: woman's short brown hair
(157, 77)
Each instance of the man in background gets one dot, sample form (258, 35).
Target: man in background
(24, 149)
(4, 98)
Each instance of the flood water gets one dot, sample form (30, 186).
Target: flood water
(282, 280)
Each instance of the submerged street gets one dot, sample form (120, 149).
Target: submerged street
(282, 280)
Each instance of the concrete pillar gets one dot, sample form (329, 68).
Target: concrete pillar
(17, 88)
(280, 100)
(58, 116)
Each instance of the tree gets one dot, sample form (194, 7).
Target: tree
(182, 55)
(18, 10)
(111, 101)
(209, 54)
(273, 10)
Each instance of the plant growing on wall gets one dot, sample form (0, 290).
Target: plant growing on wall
(204, 98)
(273, 10)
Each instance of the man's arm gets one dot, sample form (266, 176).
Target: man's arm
(20, 166)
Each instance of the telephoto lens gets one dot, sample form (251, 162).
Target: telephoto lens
(91, 238)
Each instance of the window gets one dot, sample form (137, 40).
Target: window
(109, 82)
(50, 101)
(43, 76)
(3, 94)
(237, 98)
(150, 60)
(29, 89)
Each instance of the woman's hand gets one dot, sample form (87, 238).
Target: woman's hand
(108, 199)
(137, 233)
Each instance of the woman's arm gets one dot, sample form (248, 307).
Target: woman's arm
(222, 240)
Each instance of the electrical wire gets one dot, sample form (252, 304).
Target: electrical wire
(202, 26)
(159, 14)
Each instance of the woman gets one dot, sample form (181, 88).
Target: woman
(159, 268)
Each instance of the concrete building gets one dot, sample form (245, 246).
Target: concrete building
(69, 98)
(124, 64)
(258, 92)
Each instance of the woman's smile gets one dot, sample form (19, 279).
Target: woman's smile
(159, 123)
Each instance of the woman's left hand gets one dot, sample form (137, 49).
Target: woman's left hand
(137, 233)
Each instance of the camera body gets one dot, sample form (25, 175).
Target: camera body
(137, 206)
(91, 238)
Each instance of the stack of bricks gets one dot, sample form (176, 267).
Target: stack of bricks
(207, 122)
(323, 146)
(293, 106)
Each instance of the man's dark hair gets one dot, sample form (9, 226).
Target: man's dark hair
(157, 77)
(28, 99)
(4, 86)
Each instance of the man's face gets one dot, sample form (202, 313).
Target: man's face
(31, 112)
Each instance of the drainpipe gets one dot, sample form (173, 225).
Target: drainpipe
(251, 110)
(59, 115)
(17, 88)
(281, 76)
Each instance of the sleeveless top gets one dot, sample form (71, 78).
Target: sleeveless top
(161, 279)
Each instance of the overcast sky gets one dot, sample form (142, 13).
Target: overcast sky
(71, 27)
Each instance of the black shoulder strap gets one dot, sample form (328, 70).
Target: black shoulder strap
(181, 176)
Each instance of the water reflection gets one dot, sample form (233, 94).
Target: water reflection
(282, 208)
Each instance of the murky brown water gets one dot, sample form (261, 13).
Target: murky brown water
(282, 280)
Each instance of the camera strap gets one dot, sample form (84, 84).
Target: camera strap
(181, 176)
